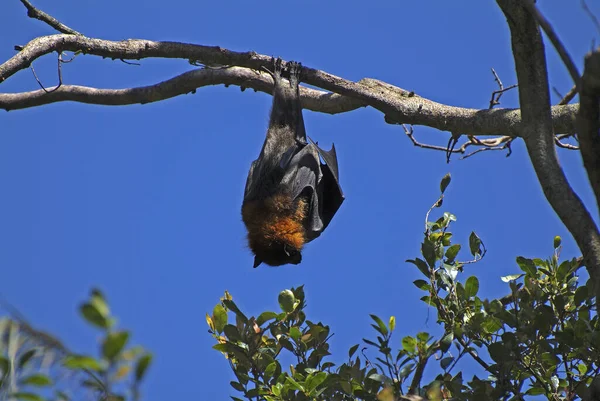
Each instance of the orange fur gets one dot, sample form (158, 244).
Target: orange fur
(276, 218)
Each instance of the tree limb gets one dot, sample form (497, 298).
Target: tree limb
(534, 98)
(398, 105)
(588, 120)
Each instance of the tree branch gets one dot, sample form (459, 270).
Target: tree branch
(398, 105)
(35, 13)
(560, 48)
(588, 120)
(534, 98)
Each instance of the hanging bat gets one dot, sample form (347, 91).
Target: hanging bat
(292, 191)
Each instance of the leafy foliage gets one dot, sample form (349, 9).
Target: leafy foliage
(540, 339)
(35, 366)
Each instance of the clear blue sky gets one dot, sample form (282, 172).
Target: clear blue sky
(144, 201)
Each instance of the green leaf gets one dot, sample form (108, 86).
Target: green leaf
(232, 333)
(428, 252)
(535, 391)
(317, 380)
(142, 366)
(406, 370)
(295, 333)
(581, 294)
(423, 336)
(409, 344)
(37, 380)
(422, 285)
(276, 389)
(294, 384)
(271, 369)
(99, 301)
(445, 182)
(265, 317)
(491, 324)
(287, 300)
(382, 329)
(527, 266)
(229, 304)
(219, 318)
(498, 352)
(82, 362)
(91, 313)
(26, 357)
(511, 277)
(380, 378)
(582, 368)
(474, 244)
(471, 286)
(445, 362)
(421, 265)
(563, 270)
(23, 396)
(352, 350)
(446, 341)
(557, 241)
(392, 323)
(452, 252)
(113, 344)
(237, 386)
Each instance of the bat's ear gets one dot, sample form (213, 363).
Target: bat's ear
(257, 262)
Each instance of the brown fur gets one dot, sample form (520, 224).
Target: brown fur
(274, 219)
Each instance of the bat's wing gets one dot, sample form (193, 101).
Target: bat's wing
(329, 187)
(307, 176)
(250, 180)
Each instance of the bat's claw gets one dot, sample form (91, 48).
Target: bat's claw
(295, 69)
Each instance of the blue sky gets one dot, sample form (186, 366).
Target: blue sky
(144, 201)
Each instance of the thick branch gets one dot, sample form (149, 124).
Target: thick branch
(588, 120)
(534, 98)
(398, 105)
(187, 82)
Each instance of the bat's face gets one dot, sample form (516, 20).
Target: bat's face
(277, 254)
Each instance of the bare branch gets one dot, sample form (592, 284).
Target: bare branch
(591, 15)
(534, 98)
(560, 48)
(569, 96)
(496, 95)
(33, 12)
(398, 105)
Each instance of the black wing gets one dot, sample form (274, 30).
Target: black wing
(317, 182)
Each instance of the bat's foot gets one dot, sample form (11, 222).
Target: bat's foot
(295, 70)
(277, 66)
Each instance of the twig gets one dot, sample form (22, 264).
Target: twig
(560, 48)
(591, 15)
(60, 61)
(505, 146)
(569, 96)
(496, 95)
(410, 134)
(451, 144)
(563, 145)
(129, 62)
(35, 13)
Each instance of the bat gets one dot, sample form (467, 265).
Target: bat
(292, 191)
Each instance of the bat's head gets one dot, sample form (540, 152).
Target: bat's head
(276, 232)
(276, 254)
